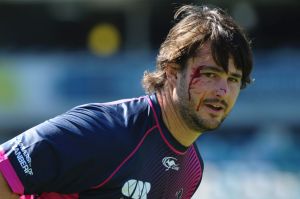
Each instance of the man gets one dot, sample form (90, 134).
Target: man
(143, 147)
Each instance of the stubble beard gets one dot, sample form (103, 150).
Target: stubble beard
(186, 108)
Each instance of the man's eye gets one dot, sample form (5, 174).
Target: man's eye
(209, 75)
(234, 80)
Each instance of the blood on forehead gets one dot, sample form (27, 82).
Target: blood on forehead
(195, 74)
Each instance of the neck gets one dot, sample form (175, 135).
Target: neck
(173, 120)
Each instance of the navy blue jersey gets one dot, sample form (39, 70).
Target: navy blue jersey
(114, 150)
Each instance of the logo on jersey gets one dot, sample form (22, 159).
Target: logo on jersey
(136, 189)
(22, 156)
(170, 163)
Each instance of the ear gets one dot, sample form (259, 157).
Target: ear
(172, 73)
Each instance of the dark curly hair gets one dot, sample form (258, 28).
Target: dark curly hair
(195, 25)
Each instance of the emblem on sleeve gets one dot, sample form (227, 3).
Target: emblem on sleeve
(170, 163)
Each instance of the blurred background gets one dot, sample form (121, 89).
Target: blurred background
(56, 54)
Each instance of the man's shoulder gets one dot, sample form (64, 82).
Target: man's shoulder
(113, 109)
(117, 115)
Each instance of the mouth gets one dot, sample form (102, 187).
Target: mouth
(215, 107)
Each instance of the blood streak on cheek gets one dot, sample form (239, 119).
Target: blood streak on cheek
(195, 74)
(198, 106)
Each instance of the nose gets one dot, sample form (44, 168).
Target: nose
(222, 89)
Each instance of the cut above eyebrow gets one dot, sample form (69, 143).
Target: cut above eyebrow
(219, 69)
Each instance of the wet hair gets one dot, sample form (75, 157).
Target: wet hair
(194, 26)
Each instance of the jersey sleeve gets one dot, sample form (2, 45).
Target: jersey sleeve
(60, 155)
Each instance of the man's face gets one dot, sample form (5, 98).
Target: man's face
(205, 92)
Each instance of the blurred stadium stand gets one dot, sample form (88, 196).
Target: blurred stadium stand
(53, 57)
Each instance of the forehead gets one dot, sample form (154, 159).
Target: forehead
(203, 57)
(204, 49)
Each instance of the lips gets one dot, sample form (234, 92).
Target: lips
(216, 104)
(215, 107)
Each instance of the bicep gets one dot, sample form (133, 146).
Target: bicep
(5, 191)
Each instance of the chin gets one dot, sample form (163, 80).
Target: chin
(211, 125)
(205, 125)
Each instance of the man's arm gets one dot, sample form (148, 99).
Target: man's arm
(5, 191)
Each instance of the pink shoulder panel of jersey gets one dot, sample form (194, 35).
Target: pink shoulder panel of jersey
(10, 174)
(27, 197)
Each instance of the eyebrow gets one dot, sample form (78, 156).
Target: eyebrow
(218, 69)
